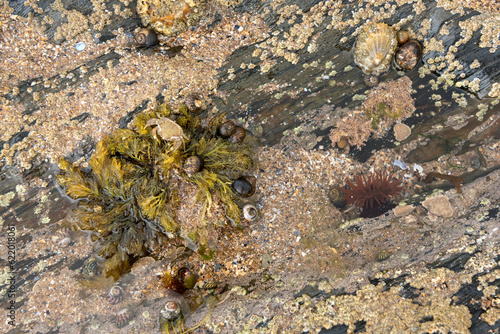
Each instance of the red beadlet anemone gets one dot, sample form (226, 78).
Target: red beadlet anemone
(377, 188)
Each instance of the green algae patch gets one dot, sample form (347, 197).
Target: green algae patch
(130, 196)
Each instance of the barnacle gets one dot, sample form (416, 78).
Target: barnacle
(374, 48)
(129, 198)
(374, 190)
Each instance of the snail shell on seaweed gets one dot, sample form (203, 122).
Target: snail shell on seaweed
(193, 165)
(226, 129)
(250, 212)
(238, 135)
(374, 48)
(408, 55)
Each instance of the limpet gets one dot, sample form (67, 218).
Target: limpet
(374, 48)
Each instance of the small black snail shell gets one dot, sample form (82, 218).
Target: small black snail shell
(170, 312)
(209, 285)
(226, 129)
(187, 277)
(371, 80)
(336, 196)
(408, 55)
(193, 165)
(146, 37)
(238, 135)
(244, 186)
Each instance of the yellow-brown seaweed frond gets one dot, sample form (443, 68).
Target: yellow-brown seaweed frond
(129, 199)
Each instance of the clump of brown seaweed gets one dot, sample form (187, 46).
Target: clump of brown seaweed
(129, 198)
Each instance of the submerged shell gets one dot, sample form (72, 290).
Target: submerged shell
(375, 47)
(187, 277)
(123, 317)
(90, 269)
(343, 142)
(402, 36)
(408, 55)
(336, 197)
(170, 312)
(250, 212)
(371, 80)
(383, 255)
(115, 295)
(238, 135)
(170, 17)
(226, 129)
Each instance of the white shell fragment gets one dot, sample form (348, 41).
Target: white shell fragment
(80, 46)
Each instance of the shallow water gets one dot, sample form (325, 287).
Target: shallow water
(301, 246)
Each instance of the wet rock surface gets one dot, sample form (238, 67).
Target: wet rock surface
(315, 270)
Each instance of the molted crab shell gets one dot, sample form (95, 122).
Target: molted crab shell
(375, 47)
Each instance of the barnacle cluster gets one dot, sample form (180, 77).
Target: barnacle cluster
(170, 17)
(129, 198)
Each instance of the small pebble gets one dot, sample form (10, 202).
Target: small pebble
(80, 46)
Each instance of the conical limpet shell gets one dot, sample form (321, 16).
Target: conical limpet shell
(375, 47)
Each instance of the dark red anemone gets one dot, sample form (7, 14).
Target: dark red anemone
(376, 190)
